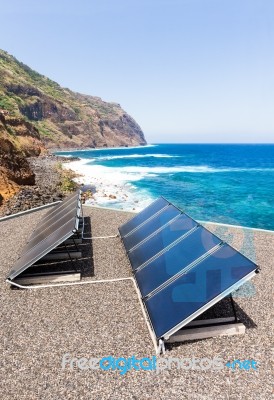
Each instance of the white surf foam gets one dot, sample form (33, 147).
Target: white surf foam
(116, 157)
(128, 173)
(115, 185)
(103, 158)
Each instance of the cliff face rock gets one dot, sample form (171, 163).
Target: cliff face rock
(18, 139)
(14, 168)
(37, 114)
(61, 117)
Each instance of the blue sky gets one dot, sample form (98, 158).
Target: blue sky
(186, 70)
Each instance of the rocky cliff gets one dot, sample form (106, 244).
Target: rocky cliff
(37, 114)
(63, 118)
(18, 140)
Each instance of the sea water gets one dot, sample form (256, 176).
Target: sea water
(226, 183)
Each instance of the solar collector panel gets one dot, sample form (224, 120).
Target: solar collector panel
(43, 248)
(141, 217)
(158, 242)
(172, 262)
(193, 292)
(56, 223)
(145, 230)
(61, 204)
(54, 228)
(180, 267)
(57, 214)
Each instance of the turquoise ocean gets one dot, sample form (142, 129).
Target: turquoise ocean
(227, 183)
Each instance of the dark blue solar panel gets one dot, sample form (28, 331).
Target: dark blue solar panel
(56, 214)
(63, 203)
(160, 240)
(175, 260)
(148, 212)
(42, 248)
(54, 228)
(150, 227)
(48, 230)
(190, 292)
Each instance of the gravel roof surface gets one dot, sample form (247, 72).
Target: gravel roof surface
(39, 326)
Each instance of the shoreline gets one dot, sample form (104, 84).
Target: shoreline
(122, 195)
(199, 183)
(112, 189)
(48, 182)
(67, 150)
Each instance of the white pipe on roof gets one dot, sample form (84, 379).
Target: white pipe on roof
(31, 210)
(152, 335)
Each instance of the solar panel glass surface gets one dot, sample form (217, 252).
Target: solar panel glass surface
(148, 249)
(175, 260)
(142, 216)
(185, 296)
(55, 227)
(60, 212)
(150, 227)
(43, 248)
(39, 237)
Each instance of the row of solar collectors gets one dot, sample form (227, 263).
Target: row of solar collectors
(58, 216)
(179, 265)
(55, 227)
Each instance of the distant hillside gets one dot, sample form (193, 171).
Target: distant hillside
(37, 114)
(63, 118)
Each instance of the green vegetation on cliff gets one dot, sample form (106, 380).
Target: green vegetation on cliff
(37, 114)
(63, 118)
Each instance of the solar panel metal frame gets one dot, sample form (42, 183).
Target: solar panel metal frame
(74, 224)
(144, 222)
(208, 305)
(66, 207)
(124, 238)
(72, 213)
(166, 248)
(182, 271)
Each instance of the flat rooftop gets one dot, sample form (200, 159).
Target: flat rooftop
(39, 326)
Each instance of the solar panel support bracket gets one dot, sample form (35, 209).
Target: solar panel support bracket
(48, 278)
(62, 256)
(204, 332)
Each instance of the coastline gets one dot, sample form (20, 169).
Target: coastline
(73, 149)
(50, 171)
(222, 184)
(115, 182)
(110, 189)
